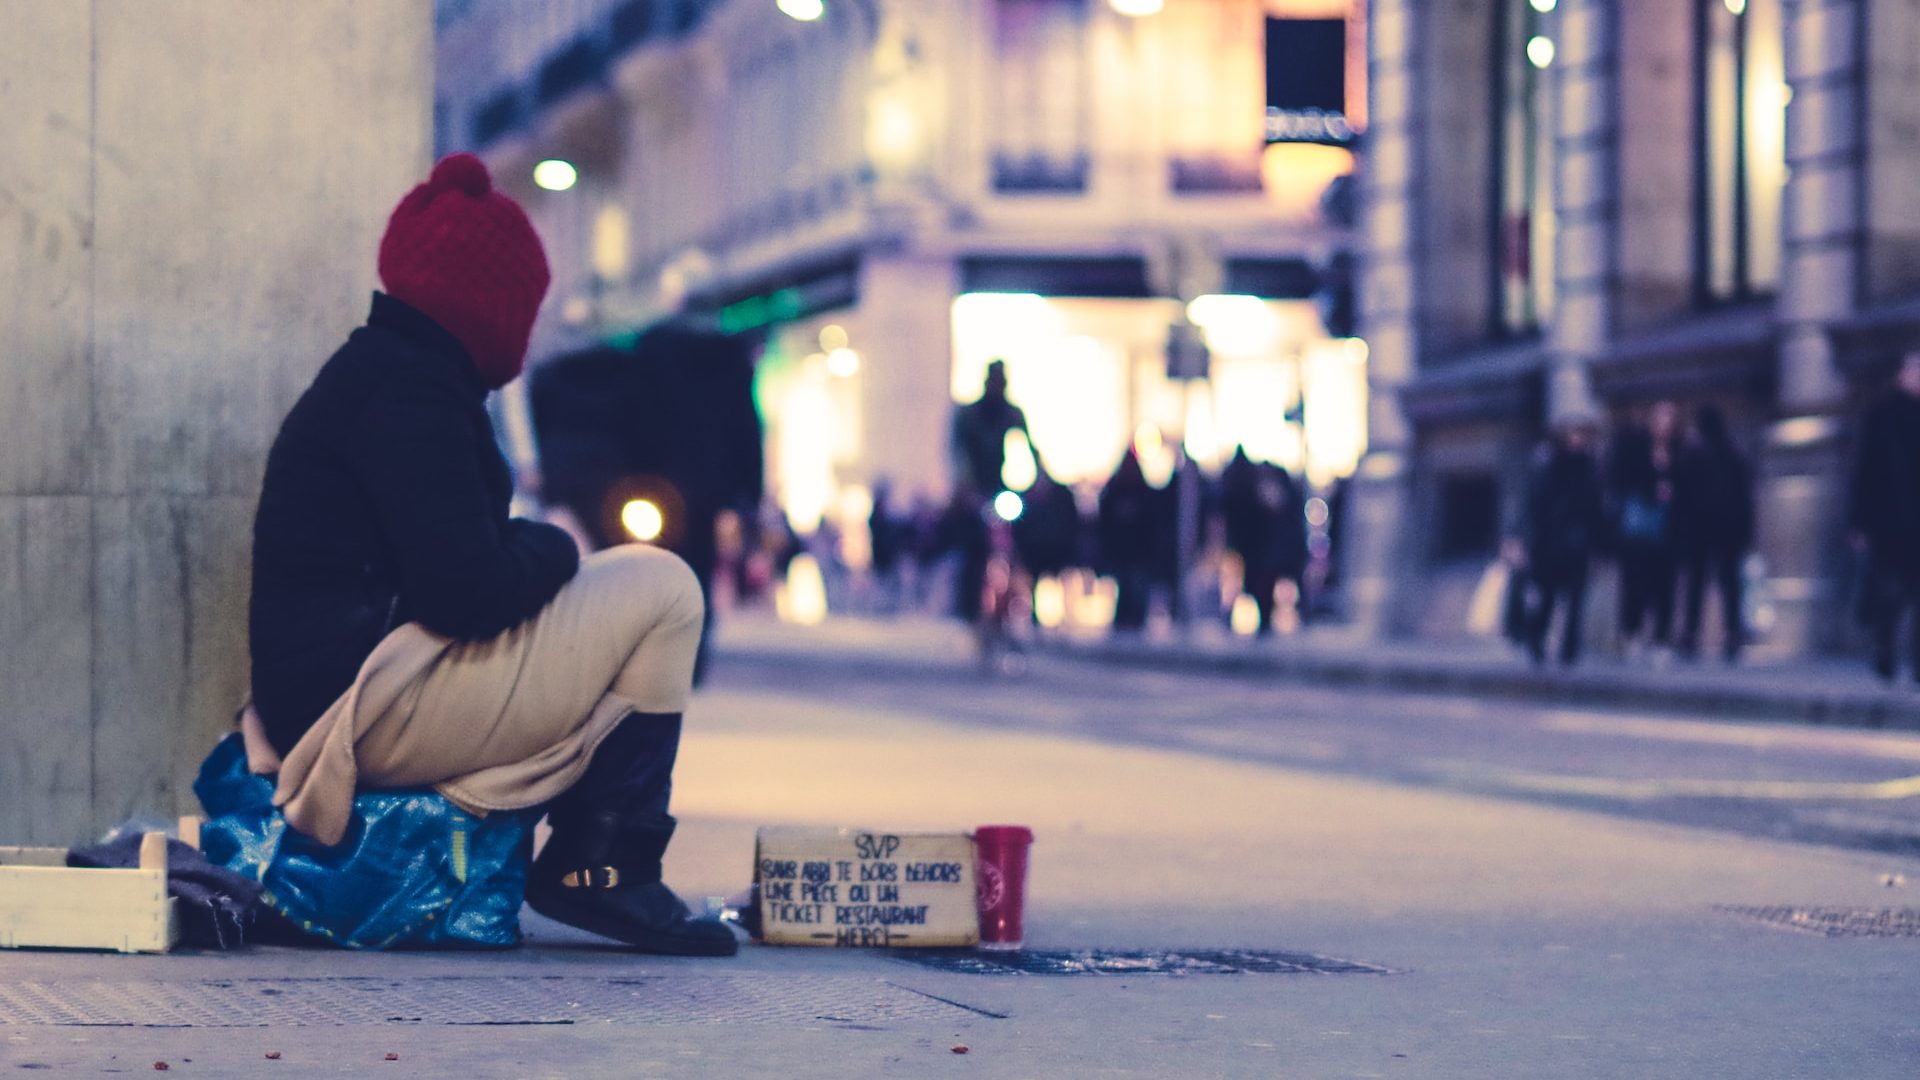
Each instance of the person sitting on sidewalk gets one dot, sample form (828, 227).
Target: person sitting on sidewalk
(405, 631)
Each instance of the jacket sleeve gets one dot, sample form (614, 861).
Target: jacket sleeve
(465, 570)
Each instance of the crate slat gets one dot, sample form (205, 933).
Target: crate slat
(46, 904)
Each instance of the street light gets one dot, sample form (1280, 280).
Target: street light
(1137, 8)
(1540, 51)
(554, 174)
(802, 10)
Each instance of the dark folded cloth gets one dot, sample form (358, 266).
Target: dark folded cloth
(216, 906)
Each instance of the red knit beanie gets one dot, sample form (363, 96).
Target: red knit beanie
(467, 256)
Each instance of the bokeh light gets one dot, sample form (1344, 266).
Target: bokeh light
(554, 174)
(643, 520)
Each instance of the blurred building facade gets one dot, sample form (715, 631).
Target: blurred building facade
(1577, 206)
(898, 191)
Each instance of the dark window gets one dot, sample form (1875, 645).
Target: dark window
(1274, 279)
(1037, 173)
(1307, 81)
(1119, 276)
(1216, 174)
(1307, 64)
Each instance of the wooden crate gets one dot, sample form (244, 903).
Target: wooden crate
(46, 904)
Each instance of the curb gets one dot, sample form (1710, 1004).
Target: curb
(1848, 706)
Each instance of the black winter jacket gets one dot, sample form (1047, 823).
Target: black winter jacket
(385, 502)
(1712, 500)
(1565, 513)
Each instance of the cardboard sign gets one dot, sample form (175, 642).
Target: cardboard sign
(855, 887)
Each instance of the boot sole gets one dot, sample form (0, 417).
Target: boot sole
(582, 918)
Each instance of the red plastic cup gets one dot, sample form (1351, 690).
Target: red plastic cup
(1000, 853)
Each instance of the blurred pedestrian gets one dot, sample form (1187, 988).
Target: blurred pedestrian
(1129, 548)
(1046, 535)
(1883, 513)
(922, 557)
(1266, 526)
(1180, 520)
(1289, 496)
(1326, 546)
(888, 538)
(406, 631)
(978, 445)
(1641, 465)
(1713, 529)
(1564, 520)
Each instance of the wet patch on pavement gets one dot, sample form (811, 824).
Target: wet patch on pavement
(1135, 962)
(1834, 922)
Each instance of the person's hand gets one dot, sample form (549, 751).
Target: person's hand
(262, 758)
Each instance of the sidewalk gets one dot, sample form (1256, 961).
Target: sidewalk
(1816, 691)
(1522, 940)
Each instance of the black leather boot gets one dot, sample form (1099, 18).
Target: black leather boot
(601, 873)
(600, 870)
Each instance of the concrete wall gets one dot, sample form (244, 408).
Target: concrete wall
(189, 208)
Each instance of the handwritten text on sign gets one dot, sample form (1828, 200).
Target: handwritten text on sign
(845, 887)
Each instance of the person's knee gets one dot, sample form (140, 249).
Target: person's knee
(660, 579)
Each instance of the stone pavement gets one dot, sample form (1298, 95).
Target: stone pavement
(1525, 941)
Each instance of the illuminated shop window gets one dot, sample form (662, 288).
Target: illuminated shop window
(1524, 54)
(1740, 153)
(1091, 375)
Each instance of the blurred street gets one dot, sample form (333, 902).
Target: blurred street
(1526, 935)
(1839, 786)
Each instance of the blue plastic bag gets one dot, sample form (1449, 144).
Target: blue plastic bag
(414, 870)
